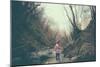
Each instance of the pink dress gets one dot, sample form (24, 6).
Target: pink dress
(57, 49)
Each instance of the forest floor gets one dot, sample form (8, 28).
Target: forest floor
(52, 57)
(63, 59)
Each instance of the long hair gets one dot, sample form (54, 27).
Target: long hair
(58, 42)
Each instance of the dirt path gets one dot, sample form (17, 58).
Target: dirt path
(52, 57)
(53, 60)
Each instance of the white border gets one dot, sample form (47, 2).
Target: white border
(87, 2)
(4, 33)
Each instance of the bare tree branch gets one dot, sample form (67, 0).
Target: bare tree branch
(74, 20)
(68, 16)
(72, 13)
(76, 15)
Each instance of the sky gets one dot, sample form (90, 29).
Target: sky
(58, 21)
(57, 18)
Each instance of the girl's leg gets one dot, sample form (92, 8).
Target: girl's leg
(57, 56)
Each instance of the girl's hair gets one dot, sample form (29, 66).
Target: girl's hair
(58, 41)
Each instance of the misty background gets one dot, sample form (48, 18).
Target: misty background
(37, 26)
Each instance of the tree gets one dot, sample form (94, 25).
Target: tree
(81, 17)
(27, 34)
(77, 17)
